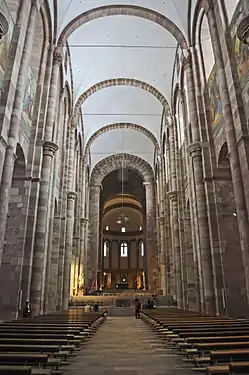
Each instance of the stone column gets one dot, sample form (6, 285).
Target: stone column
(195, 152)
(94, 222)
(40, 250)
(238, 186)
(14, 125)
(33, 164)
(49, 149)
(168, 253)
(60, 275)
(83, 258)
(77, 263)
(153, 273)
(54, 265)
(162, 258)
(68, 248)
(173, 200)
(175, 230)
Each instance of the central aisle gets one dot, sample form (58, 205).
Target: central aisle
(126, 346)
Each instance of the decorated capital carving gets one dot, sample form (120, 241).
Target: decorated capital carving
(50, 148)
(172, 195)
(194, 149)
(243, 30)
(71, 195)
(57, 58)
(84, 221)
(4, 26)
(186, 59)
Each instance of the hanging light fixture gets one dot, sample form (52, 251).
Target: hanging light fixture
(122, 219)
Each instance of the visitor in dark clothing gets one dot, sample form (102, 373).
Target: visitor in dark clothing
(96, 307)
(27, 310)
(137, 308)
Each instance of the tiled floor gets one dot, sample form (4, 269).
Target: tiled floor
(126, 346)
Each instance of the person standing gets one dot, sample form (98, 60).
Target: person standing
(137, 308)
(27, 310)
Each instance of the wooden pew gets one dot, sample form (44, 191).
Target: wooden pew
(204, 335)
(218, 356)
(30, 341)
(40, 340)
(239, 367)
(194, 340)
(64, 352)
(24, 358)
(15, 370)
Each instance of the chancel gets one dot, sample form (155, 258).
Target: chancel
(124, 186)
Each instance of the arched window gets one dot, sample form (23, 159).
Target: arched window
(141, 248)
(123, 229)
(124, 249)
(107, 227)
(106, 248)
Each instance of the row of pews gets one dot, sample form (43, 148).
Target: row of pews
(43, 345)
(214, 345)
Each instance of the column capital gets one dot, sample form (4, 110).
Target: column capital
(57, 60)
(172, 195)
(161, 219)
(71, 195)
(50, 148)
(4, 26)
(84, 221)
(194, 149)
(243, 30)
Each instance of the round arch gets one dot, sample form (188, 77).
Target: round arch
(118, 161)
(122, 10)
(100, 171)
(120, 125)
(120, 82)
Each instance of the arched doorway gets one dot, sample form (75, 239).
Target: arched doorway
(139, 187)
(122, 250)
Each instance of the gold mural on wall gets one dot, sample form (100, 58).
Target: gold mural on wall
(241, 52)
(5, 42)
(216, 111)
(28, 103)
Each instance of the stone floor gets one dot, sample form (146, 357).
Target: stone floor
(126, 346)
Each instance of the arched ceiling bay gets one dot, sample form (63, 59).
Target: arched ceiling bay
(122, 104)
(122, 141)
(128, 46)
(176, 10)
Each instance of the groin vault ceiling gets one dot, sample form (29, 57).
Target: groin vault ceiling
(127, 46)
